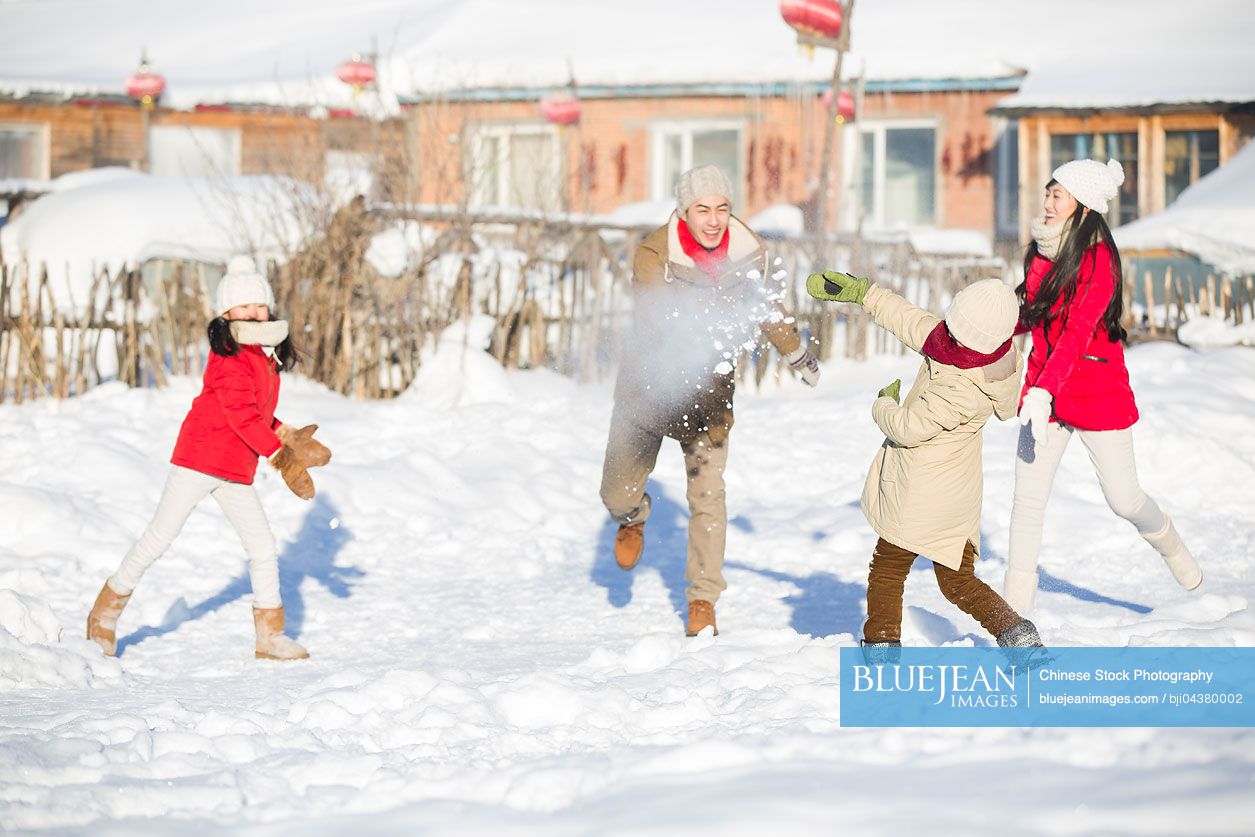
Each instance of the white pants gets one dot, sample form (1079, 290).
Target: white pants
(184, 489)
(1111, 451)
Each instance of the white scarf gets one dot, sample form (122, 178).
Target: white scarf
(1049, 237)
(267, 334)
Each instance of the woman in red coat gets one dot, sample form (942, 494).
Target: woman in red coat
(1077, 383)
(231, 423)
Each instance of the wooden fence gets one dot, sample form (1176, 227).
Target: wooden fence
(557, 289)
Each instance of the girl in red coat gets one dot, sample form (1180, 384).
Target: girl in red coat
(231, 424)
(1077, 383)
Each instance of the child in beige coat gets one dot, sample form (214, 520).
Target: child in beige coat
(923, 492)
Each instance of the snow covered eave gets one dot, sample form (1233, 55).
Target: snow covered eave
(677, 90)
(1013, 108)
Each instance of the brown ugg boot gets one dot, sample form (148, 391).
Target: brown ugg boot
(102, 622)
(628, 545)
(271, 643)
(701, 616)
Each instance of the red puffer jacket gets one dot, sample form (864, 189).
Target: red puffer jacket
(1075, 360)
(232, 421)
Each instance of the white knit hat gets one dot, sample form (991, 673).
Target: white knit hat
(1090, 182)
(699, 182)
(243, 285)
(983, 315)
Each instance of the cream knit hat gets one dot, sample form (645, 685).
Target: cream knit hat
(699, 182)
(983, 315)
(242, 285)
(1090, 182)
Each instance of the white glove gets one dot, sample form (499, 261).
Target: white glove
(803, 362)
(1035, 411)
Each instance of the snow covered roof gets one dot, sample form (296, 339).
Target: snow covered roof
(1213, 220)
(285, 52)
(1147, 54)
(110, 217)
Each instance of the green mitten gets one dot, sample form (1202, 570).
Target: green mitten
(894, 391)
(835, 286)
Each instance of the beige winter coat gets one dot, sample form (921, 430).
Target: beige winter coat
(675, 377)
(924, 489)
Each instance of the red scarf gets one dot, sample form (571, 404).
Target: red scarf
(943, 348)
(711, 261)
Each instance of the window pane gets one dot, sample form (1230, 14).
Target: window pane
(1176, 164)
(1064, 147)
(1122, 147)
(722, 148)
(1188, 155)
(672, 163)
(184, 151)
(534, 180)
(485, 173)
(867, 173)
(1007, 182)
(21, 152)
(910, 176)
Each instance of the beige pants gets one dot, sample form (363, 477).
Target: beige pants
(1111, 451)
(184, 489)
(630, 457)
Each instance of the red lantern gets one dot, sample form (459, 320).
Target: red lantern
(356, 73)
(817, 20)
(845, 104)
(560, 109)
(146, 86)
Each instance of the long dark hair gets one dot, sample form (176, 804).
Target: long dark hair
(1060, 282)
(221, 342)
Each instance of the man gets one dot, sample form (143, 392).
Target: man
(701, 293)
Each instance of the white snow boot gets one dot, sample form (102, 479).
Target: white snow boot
(1019, 590)
(1168, 543)
(271, 642)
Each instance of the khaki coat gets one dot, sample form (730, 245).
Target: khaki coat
(923, 492)
(689, 328)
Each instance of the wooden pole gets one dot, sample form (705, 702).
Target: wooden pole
(830, 132)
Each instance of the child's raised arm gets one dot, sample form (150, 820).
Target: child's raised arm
(907, 322)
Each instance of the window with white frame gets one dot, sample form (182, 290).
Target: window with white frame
(516, 166)
(193, 151)
(679, 146)
(24, 151)
(892, 171)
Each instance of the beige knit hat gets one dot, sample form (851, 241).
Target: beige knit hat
(1090, 182)
(983, 315)
(242, 285)
(700, 181)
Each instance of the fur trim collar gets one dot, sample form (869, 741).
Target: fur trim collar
(253, 333)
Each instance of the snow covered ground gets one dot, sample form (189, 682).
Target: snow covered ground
(481, 665)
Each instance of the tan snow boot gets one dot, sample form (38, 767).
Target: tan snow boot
(629, 544)
(271, 642)
(1168, 543)
(102, 622)
(701, 616)
(1019, 590)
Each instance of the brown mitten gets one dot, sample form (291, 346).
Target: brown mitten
(309, 451)
(288, 464)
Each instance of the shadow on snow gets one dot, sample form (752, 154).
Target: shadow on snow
(310, 556)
